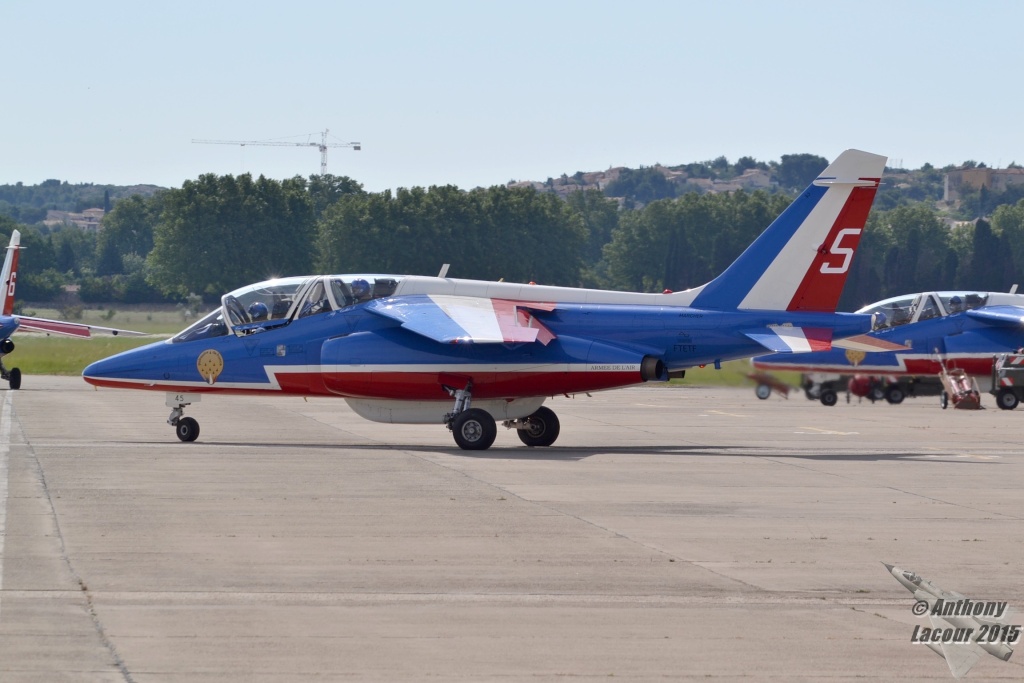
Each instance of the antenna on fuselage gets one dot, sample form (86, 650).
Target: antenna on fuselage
(444, 270)
(1013, 290)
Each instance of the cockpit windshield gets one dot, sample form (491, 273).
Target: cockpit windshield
(900, 310)
(210, 325)
(270, 300)
(274, 303)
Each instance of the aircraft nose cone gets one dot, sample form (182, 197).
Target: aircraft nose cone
(889, 567)
(134, 364)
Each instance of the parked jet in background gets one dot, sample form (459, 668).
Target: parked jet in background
(942, 330)
(466, 353)
(9, 322)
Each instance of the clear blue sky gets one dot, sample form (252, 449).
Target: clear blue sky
(480, 92)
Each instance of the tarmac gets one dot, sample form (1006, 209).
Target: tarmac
(672, 533)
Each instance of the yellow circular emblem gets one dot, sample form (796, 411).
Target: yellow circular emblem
(855, 357)
(210, 364)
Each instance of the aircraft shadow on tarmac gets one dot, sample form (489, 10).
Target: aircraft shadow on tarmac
(570, 453)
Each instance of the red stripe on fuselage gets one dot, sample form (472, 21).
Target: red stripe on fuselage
(410, 386)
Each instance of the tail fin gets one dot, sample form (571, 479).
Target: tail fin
(10, 274)
(801, 261)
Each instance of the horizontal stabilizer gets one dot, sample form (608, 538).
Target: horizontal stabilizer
(464, 319)
(70, 329)
(1000, 316)
(868, 344)
(792, 339)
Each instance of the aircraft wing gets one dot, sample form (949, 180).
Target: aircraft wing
(70, 329)
(465, 319)
(1000, 316)
(868, 344)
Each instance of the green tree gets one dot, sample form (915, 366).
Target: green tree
(219, 233)
(486, 234)
(796, 171)
(128, 228)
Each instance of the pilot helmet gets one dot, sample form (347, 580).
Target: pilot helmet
(360, 288)
(258, 311)
(956, 302)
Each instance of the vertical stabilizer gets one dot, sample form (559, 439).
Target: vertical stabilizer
(801, 262)
(10, 273)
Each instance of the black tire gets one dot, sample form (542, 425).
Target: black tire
(894, 394)
(829, 398)
(187, 429)
(542, 428)
(877, 393)
(474, 430)
(944, 400)
(14, 377)
(6, 346)
(763, 391)
(1007, 399)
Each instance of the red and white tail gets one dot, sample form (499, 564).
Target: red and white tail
(801, 261)
(10, 273)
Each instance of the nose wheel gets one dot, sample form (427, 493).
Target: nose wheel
(13, 376)
(186, 428)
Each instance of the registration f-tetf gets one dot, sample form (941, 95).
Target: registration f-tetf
(468, 353)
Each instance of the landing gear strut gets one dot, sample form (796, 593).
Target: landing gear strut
(186, 428)
(13, 376)
(473, 429)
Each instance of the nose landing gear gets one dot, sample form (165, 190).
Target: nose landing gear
(186, 428)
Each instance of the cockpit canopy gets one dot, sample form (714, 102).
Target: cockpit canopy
(275, 303)
(912, 308)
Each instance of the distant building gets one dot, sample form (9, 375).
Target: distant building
(90, 219)
(993, 179)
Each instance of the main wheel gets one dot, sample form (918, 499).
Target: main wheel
(541, 428)
(894, 394)
(829, 398)
(944, 400)
(763, 391)
(187, 429)
(474, 430)
(14, 377)
(1007, 399)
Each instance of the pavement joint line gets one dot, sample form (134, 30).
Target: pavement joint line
(90, 607)
(5, 452)
(249, 597)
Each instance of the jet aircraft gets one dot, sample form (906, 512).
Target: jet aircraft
(961, 630)
(9, 321)
(939, 330)
(468, 353)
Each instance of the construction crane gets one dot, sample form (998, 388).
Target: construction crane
(323, 145)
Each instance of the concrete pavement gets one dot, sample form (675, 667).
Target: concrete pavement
(671, 533)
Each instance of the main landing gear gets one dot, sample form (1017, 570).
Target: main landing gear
(13, 376)
(475, 430)
(186, 428)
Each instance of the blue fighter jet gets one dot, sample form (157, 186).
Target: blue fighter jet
(467, 353)
(942, 333)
